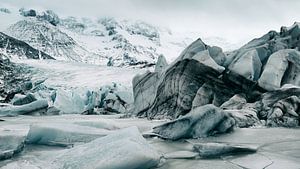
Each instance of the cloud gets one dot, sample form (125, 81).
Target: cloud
(235, 20)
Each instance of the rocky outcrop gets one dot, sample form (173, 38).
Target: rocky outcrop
(17, 48)
(47, 15)
(14, 79)
(241, 82)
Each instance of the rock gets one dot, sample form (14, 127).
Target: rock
(125, 148)
(50, 17)
(27, 13)
(21, 100)
(248, 65)
(283, 67)
(11, 143)
(200, 122)
(20, 49)
(213, 150)
(36, 107)
(5, 10)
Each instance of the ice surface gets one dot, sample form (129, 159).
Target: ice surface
(277, 145)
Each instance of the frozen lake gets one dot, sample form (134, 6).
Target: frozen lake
(277, 147)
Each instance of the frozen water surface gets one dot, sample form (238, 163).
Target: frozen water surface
(277, 147)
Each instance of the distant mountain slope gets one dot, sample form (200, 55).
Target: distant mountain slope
(102, 41)
(16, 48)
(49, 39)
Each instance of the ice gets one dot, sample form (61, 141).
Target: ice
(205, 58)
(199, 122)
(102, 124)
(126, 149)
(181, 155)
(11, 143)
(62, 134)
(38, 106)
(212, 150)
(247, 65)
(69, 102)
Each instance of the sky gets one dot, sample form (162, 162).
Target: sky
(234, 20)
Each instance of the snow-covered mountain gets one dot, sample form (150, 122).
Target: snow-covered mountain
(15, 48)
(102, 41)
(48, 38)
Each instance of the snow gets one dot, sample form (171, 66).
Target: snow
(70, 75)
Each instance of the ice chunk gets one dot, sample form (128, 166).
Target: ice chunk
(205, 58)
(248, 65)
(39, 106)
(21, 99)
(125, 148)
(219, 149)
(181, 155)
(69, 102)
(200, 122)
(62, 134)
(11, 143)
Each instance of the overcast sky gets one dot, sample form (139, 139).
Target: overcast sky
(235, 20)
